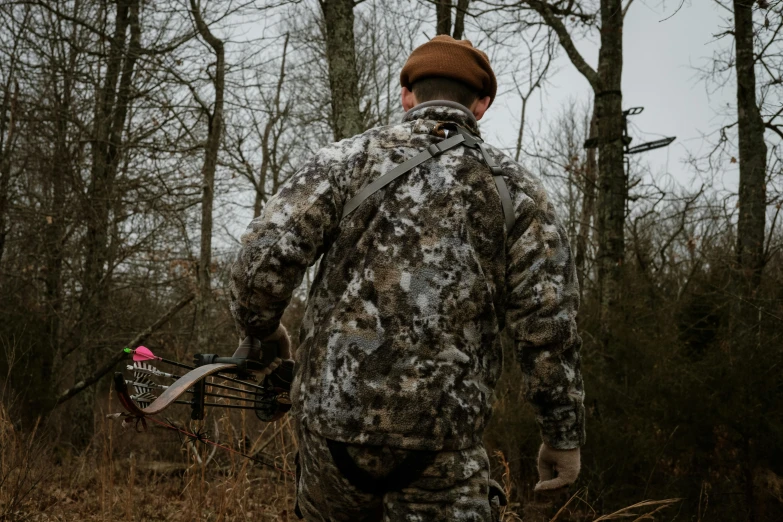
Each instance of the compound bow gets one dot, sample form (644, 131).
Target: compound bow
(223, 382)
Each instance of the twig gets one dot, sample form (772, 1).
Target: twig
(562, 508)
(671, 15)
(659, 459)
(626, 511)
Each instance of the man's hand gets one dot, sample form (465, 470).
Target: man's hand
(252, 349)
(282, 337)
(284, 342)
(557, 468)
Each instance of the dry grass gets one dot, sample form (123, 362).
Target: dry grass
(149, 476)
(156, 476)
(644, 510)
(21, 470)
(575, 508)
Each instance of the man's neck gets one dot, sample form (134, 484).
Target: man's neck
(444, 103)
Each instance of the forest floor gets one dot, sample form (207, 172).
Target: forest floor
(155, 474)
(158, 474)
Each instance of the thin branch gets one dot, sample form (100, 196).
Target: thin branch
(682, 2)
(774, 128)
(545, 10)
(628, 6)
(117, 357)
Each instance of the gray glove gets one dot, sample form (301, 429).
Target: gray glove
(252, 349)
(282, 337)
(284, 340)
(557, 468)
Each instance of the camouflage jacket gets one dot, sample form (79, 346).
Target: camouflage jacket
(400, 340)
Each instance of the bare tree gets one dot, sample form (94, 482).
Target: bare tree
(9, 109)
(590, 178)
(338, 20)
(270, 138)
(211, 149)
(76, 195)
(752, 136)
(273, 134)
(111, 111)
(539, 57)
(384, 42)
(606, 83)
(443, 22)
(752, 152)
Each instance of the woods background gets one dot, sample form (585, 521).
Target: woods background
(138, 138)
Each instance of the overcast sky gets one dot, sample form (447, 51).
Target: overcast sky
(659, 74)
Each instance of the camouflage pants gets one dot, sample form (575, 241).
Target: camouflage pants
(344, 482)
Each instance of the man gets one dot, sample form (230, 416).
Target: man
(400, 348)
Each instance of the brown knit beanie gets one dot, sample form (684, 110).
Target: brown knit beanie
(445, 57)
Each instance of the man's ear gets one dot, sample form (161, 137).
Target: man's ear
(408, 99)
(480, 106)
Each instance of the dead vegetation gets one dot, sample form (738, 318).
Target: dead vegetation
(108, 117)
(155, 476)
(152, 475)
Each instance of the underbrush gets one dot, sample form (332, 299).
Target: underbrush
(157, 474)
(162, 474)
(22, 469)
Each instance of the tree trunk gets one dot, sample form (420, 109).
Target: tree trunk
(208, 174)
(606, 82)
(588, 207)
(752, 214)
(459, 18)
(347, 118)
(42, 398)
(99, 193)
(443, 10)
(6, 138)
(110, 116)
(613, 189)
(443, 17)
(266, 150)
(752, 156)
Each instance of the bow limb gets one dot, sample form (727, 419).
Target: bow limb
(171, 394)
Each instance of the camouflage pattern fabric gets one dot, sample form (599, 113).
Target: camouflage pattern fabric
(452, 487)
(400, 342)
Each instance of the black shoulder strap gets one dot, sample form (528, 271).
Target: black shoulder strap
(462, 137)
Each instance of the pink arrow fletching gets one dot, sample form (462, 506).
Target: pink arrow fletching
(142, 353)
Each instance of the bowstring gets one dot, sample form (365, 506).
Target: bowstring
(203, 439)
